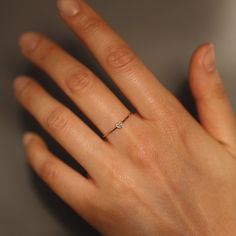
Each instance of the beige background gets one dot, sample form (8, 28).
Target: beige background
(163, 32)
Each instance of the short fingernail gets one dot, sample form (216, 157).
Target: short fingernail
(29, 41)
(27, 138)
(20, 83)
(68, 7)
(209, 60)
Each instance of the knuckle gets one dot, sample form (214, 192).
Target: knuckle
(175, 122)
(120, 58)
(79, 82)
(57, 119)
(118, 176)
(120, 181)
(123, 186)
(89, 23)
(172, 117)
(48, 171)
(144, 152)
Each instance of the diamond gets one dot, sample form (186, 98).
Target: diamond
(119, 125)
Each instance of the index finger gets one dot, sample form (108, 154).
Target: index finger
(128, 72)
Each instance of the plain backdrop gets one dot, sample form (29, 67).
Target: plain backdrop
(164, 33)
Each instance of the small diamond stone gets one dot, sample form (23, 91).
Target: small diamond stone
(119, 125)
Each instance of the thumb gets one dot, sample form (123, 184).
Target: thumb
(214, 109)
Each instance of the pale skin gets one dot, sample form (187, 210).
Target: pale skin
(164, 173)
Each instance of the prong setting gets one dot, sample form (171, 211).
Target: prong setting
(119, 125)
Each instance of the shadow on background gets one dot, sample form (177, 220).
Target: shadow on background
(184, 95)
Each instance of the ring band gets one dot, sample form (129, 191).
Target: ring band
(118, 125)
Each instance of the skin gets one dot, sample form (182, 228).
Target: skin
(164, 173)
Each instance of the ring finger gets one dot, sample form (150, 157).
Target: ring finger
(89, 93)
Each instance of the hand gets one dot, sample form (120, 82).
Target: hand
(163, 173)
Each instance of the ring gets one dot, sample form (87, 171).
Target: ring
(118, 125)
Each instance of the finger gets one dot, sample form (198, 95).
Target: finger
(214, 109)
(93, 98)
(68, 184)
(72, 133)
(129, 73)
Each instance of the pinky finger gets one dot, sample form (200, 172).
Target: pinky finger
(68, 184)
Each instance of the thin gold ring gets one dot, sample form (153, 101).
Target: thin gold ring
(118, 125)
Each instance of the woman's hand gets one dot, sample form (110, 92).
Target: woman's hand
(161, 174)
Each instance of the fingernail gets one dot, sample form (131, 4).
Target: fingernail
(20, 83)
(209, 59)
(27, 138)
(68, 7)
(29, 41)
